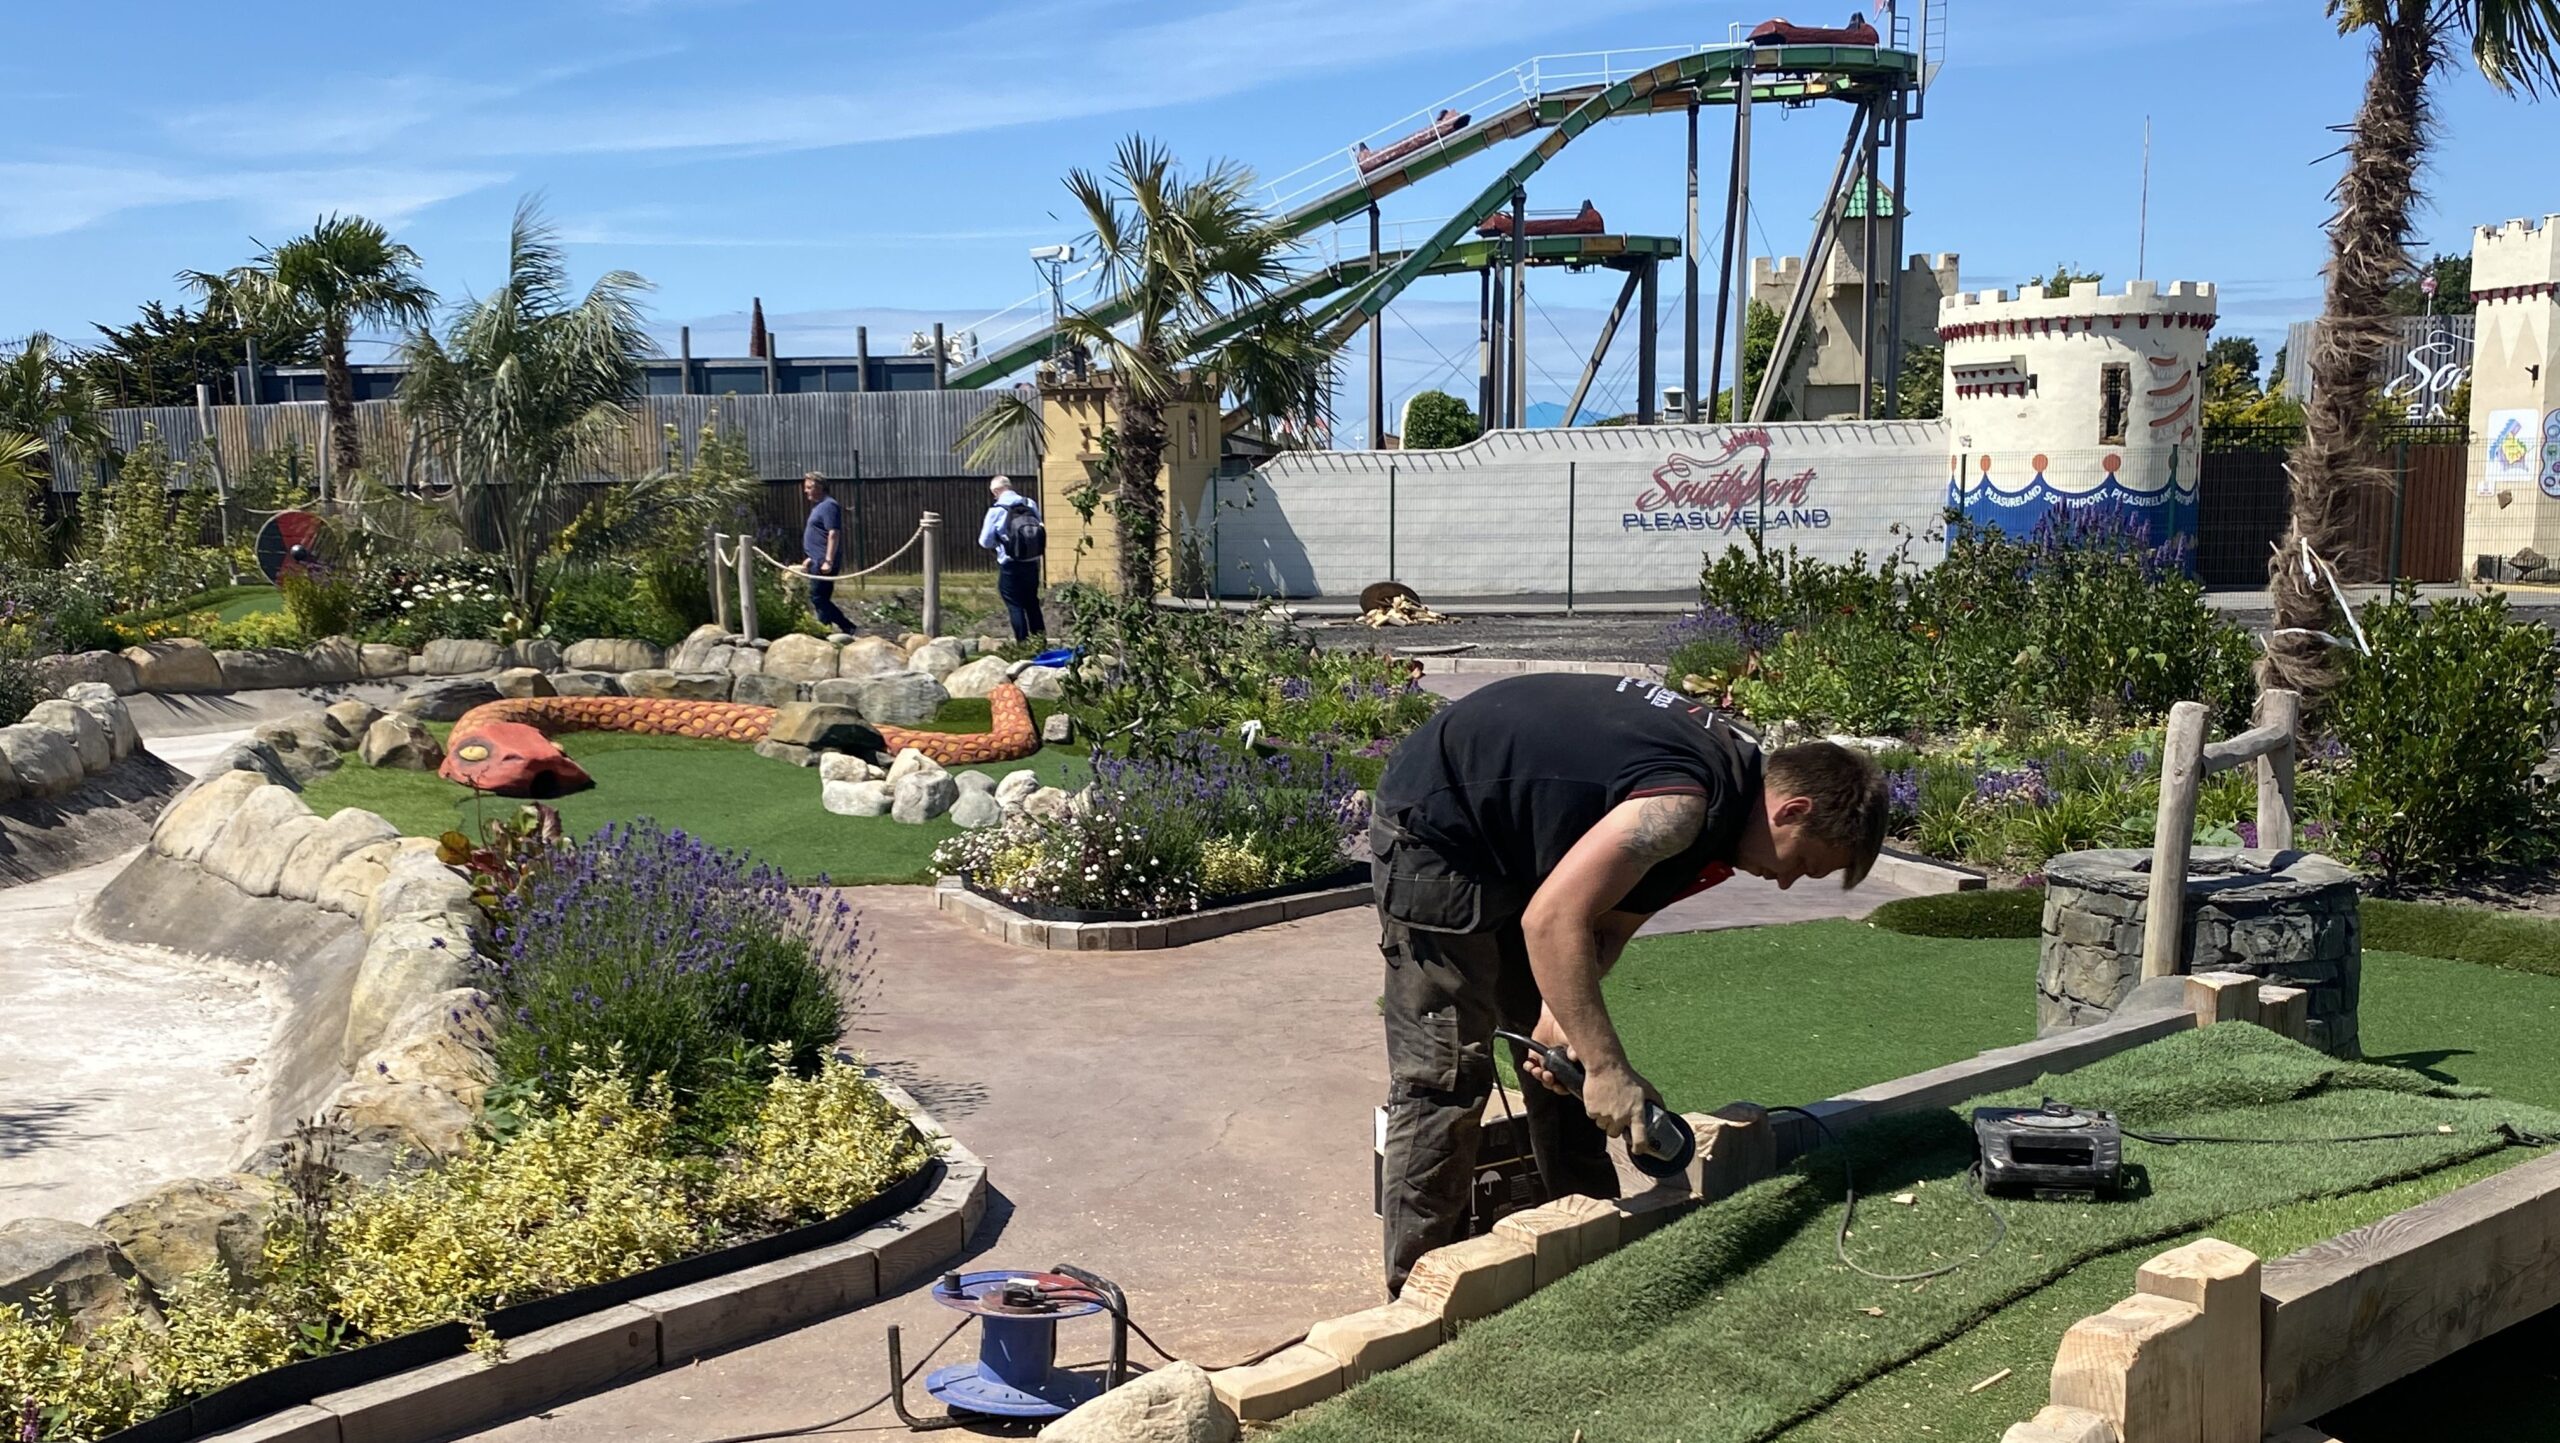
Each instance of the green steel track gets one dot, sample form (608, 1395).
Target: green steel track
(1780, 74)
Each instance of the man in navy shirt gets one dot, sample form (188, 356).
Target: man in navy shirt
(822, 542)
(1012, 525)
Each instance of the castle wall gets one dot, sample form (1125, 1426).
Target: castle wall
(2512, 504)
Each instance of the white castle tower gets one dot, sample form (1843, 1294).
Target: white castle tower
(2077, 400)
(2512, 505)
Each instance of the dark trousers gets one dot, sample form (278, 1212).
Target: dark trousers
(1446, 992)
(822, 600)
(1018, 582)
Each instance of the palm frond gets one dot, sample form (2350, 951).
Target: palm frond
(1009, 420)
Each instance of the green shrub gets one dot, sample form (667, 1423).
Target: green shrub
(1990, 912)
(2463, 934)
(144, 538)
(257, 629)
(1435, 420)
(321, 603)
(464, 598)
(588, 602)
(2443, 725)
(20, 689)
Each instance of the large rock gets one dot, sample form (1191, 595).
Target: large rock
(975, 809)
(419, 888)
(404, 961)
(822, 727)
(102, 701)
(761, 689)
(678, 685)
(523, 681)
(923, 797)
(539, 652)
(256, 756)
(453, 656)
(798, 756)
(381, 660)
(245, 848)
(845, 767)
(447, 700)
(974, 782)
(1058, 729)
(904, 700)
(181, 1228)
(443, 1041)
(61, 673)
(43, 760)
(1043, 683)
(801, 658)
(870, 656)
(409, 1116)
(257, 865)
(402, 742)
(334, 840)
(81, 1266)
(350, 720)
(348, 887)
(74, 724)
(977, 678)
(587, 683)
(1173, 1404)
(195, 821)
(1015, 787)
(743, 660)
(705, 648)
(335, 660)
(937, 658)
(180, 664)
(265, 668)
(613, 653)
(856, 799)
(308, 745)
(1049, 804)
(911, 762)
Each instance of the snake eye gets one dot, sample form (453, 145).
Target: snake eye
(473, 752)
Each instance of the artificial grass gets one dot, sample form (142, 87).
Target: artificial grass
(227, 602)
(2014, 912)
(720, 791)
(1737, 1322)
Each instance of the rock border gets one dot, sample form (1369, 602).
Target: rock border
(657, 1330)
(995, 919)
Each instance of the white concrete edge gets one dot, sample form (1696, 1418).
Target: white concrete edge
(994, 919)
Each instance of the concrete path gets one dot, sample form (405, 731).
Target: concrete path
(1194, 1124)
(119, 1067)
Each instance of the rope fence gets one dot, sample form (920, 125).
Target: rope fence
(736, 554)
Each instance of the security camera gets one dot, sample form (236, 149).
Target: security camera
(1061, 255)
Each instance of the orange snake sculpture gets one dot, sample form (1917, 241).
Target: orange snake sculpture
(505, 747)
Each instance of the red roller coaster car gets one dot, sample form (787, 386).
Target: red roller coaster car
(1585, 221)
(1446, 124)
(1781, 32)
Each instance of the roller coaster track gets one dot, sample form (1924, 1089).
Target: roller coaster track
(1781, 74)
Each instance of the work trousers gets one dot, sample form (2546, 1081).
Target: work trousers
(822, 600)
(1018, 583)
(1446, 992)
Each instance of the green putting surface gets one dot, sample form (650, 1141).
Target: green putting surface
(1738, 1321)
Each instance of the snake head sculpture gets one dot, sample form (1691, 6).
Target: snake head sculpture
(511, 759)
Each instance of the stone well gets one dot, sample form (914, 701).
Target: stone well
(2289, 917)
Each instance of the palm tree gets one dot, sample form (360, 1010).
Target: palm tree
(1185, 257)
(46, 401)
(347, 272)
(2516, 44)
(528, 387)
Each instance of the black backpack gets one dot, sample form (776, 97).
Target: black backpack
(1025, 538)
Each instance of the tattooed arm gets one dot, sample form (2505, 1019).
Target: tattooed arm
(1574, 932)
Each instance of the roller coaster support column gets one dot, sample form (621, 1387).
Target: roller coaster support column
(941, 359)
(1867, 282)
(1377, 351)
(1724, 276)
(1893, 303)
(1516, 396)
(1689, 293)
(1488, 341)
(862, 358)
(1600, 348)
(1817, 262)
(1648, 334)
(1738, 272)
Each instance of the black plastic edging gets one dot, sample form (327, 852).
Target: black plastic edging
(1346, 875)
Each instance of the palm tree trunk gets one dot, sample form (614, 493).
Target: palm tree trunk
(2368, 253)
(346, 454)
(1137, 504)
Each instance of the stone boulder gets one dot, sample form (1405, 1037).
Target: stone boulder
(975, 809)
(338, 836)
(587, 683)
(381, 660)
(404, 961)
(447, 700)
(444, 1041)
(908, 763)
(705, 648)
(307, 745)
(800, 658)
(115, 718)
(870, 656)
(614, 654)
(247, 848)
(402, 742)
(1043, 683)
(74, 724)
(265, 668)
(539, 652)
(257, 864)
(1050, 804)
(1057, 729)
(523, 681)
(827, 728)
(256, 756)
(81, 1266)
(183, 1227)
(454, 656)
(760, 689)
(678, 685)
(61, 673)
(43, 760)
(417, 887)
(348, 887)
(798, 756)
(179, 664)
(922, 797)
(856, 799)
(408, 1116)
(976, 678)
(974, 782)
(937, 658)
(195, 821)
(846, 767)
(1015, 787)
(335, 660)
(903, 700)
(350, 720)
(1173, 1404)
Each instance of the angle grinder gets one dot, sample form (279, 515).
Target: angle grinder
(1669, 1143)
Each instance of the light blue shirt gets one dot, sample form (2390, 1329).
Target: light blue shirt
(991, 530)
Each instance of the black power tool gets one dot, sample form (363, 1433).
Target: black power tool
(2053, 1151)
(1668, 1141)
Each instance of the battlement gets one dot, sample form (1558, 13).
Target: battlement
(2516, 260)
(1785, 270)
(2516, 230)
(2136, 295)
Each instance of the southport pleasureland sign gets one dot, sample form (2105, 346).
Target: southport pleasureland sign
(1735, 488)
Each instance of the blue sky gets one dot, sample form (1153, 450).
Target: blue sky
(890, 165)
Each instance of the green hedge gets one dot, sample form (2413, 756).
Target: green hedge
(2006, 912)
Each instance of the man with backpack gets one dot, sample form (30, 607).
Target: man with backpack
(1014, 532)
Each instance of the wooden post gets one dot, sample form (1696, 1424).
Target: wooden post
(932, 574)
(2181, 764)
(2219, 1281)
(746, 585)
(2286, 1012)
(2139, 1365)
(2279, 708)
(2222, 997)
(719, 586)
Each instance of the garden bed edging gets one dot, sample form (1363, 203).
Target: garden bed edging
(985, 914)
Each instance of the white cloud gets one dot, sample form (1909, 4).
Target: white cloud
(40, 198)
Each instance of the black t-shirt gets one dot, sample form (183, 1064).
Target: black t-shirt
(1502, 782)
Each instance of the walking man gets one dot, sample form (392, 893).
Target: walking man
(1521, 836)
(1014, 532)
(822, 542)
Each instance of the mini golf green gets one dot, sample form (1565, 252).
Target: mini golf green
(720, 791)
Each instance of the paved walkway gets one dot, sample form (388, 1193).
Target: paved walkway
(1194, 1124)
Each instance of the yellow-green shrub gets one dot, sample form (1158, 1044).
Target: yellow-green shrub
(818, 1146)
(1229, 865)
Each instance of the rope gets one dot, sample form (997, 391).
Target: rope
(803, 572)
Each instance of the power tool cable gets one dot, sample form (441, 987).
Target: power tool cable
(843, 1418)
(1849, 1214)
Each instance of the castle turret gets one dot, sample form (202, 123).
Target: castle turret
(2077, 400)
(2511, 510)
